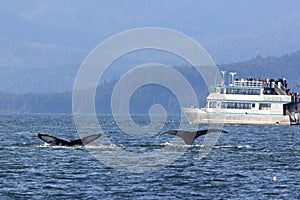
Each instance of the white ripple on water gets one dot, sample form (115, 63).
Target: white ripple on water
(215, 147)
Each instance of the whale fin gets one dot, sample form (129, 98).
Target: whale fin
(187, 136)
(60, 142)
(190, 136)
(52, 140)
(86, 140)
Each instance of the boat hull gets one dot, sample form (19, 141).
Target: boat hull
(198, 116)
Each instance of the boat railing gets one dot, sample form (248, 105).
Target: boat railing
(280, 89)
(248, 83)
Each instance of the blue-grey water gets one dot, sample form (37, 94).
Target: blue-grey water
(251, 162)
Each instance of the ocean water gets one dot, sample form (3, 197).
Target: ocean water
(250, 162)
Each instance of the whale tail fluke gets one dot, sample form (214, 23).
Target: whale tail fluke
(52, 140)
(60, 142)
(187, 136)
(86, 140)
(190, 136)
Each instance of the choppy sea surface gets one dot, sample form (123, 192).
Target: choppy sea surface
(249, 162)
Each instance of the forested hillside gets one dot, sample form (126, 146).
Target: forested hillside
(261, 67)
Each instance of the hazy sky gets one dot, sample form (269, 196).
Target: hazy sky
(67, 21)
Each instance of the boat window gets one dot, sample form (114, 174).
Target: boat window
(269, 91)
(223, 104)
(264, 106)
(212, 104)
(221, 90)
(253, 105)
(243, 91)
(234, 105)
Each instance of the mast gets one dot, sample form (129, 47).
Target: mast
(232, 77)
(223, 78)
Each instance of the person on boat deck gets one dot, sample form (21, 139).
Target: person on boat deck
(293, 96)
(298, 96)
(285, 83)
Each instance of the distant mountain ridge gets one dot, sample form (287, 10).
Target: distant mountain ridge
(260, 67)
(278, 38)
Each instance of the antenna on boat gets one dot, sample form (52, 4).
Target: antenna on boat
(223, 77)
(232, 77)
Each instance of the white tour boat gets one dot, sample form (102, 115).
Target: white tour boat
(248, 101)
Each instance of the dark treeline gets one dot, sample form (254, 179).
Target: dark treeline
(270, 67)
(140, 102)
(36, 103)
